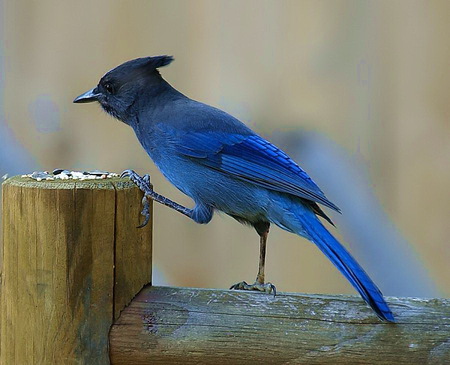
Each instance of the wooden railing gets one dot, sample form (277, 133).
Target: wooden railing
(73, 260)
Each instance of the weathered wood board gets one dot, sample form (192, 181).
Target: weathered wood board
(166, 325)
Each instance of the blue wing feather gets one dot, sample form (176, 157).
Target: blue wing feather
(252, 159)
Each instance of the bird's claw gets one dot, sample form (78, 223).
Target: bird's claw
(144, 184)
(145, 212)
(262, 287)
(146, 178)
(127, 173)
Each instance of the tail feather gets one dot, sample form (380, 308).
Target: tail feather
(346, 264)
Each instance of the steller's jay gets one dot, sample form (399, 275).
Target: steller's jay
(222, 165)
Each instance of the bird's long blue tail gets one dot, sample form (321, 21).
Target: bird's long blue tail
(348, 266)
(311, 227)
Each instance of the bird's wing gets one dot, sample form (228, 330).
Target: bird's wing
(252, 159)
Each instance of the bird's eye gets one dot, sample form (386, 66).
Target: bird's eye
(108, 87)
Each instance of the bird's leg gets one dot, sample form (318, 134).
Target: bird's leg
(259, 284)
(144, 184)
(262, 257)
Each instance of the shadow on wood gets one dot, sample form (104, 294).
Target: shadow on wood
(164, 325)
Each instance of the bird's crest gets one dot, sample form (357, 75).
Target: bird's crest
(157, 61)
(147, 63)
(137, 68)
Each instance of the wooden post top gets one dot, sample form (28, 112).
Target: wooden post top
(108, 183)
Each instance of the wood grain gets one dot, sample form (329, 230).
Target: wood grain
(133, 251)
(166, 325)
(67, 252)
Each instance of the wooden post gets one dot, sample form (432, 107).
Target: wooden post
(205, 326)
(72, 259)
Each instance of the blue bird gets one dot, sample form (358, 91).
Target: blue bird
(223, 165)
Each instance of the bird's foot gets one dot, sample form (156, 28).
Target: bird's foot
(144, 184)
(262, 287)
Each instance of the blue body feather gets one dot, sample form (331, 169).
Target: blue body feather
(238, 172)
(222, 164)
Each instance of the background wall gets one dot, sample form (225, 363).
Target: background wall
(356, 91)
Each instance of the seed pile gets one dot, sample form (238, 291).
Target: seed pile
(61, 174)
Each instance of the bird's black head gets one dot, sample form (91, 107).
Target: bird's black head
(119, 88)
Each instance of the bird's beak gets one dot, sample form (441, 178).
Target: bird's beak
(88, 96)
